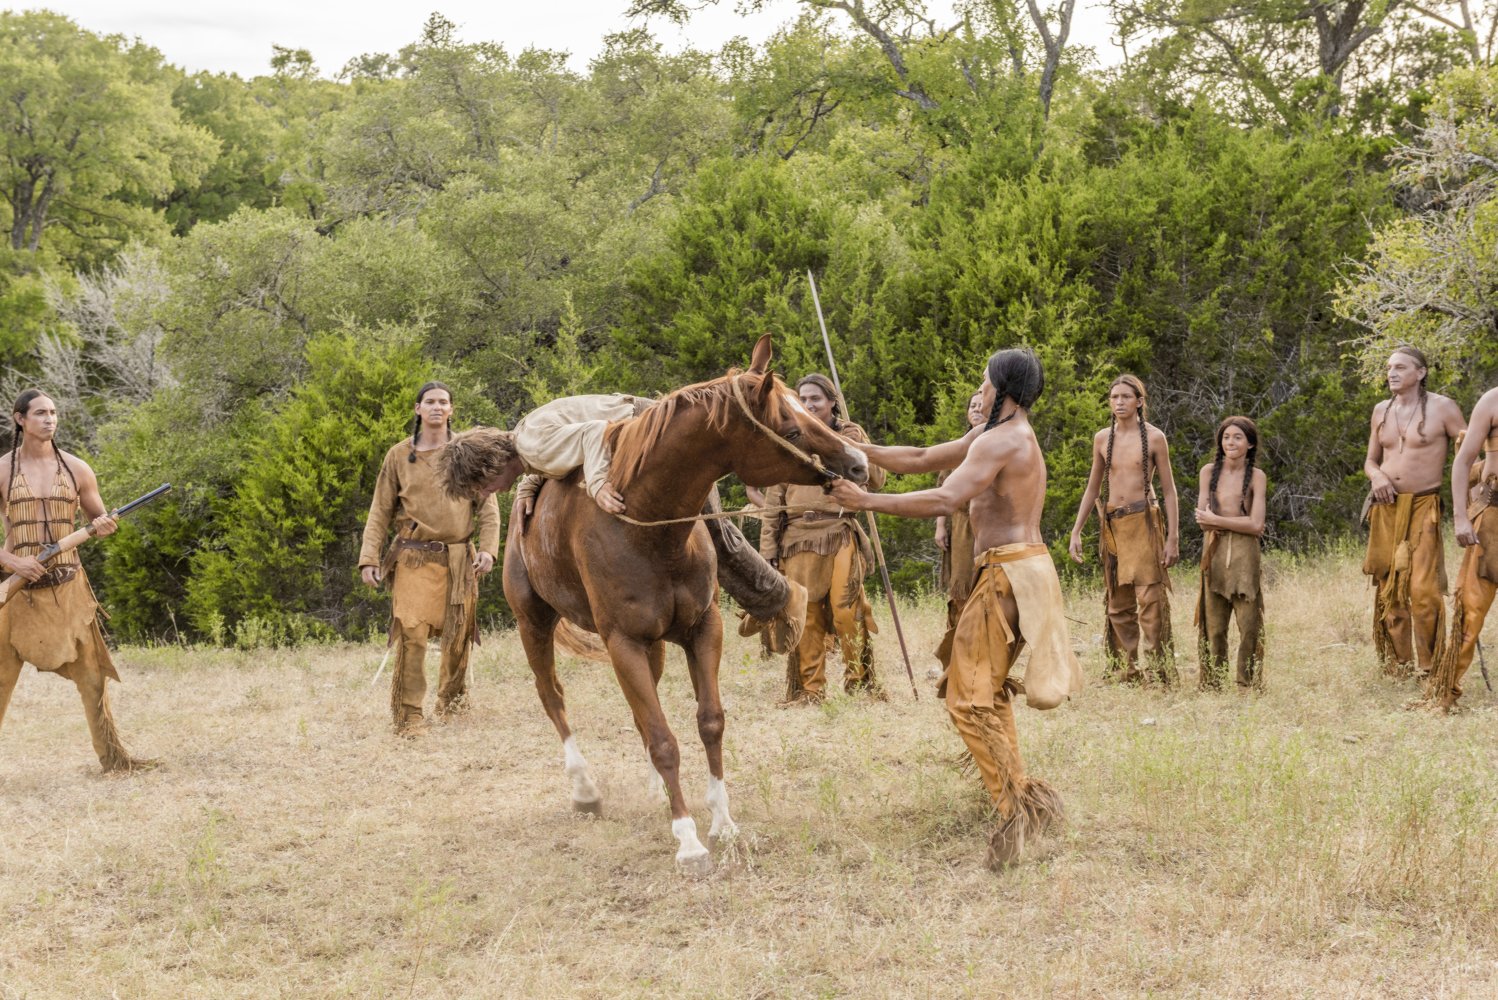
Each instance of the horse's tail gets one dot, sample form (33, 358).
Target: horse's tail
(572, 638)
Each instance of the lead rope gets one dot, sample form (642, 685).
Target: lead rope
(812, 460)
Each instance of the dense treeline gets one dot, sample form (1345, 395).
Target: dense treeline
(237, 285)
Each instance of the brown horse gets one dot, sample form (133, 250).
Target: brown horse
(640, 587)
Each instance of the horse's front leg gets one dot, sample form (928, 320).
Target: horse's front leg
(633, 667)
(704, 652)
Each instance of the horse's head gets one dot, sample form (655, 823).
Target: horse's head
(778, 438)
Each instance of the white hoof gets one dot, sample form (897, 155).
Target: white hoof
(696, 866)
(692, 858)
(585, 796)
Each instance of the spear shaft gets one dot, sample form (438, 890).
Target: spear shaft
(889, 590)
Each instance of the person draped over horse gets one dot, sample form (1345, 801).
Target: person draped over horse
(571, 434)
(642, 579)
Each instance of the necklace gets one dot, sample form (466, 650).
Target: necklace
(1406, 426)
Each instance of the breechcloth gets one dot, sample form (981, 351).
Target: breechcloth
(1230, 586)
(54, 622)
(836, 604)
(435, 592)
(1132, 548)
(1475, 586)
(1407, 563)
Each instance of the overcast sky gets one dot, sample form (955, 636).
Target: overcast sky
(237, 37)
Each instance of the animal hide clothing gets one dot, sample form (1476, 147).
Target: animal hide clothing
(1406, 562)
(567, 434)
(54, 623)
(1230, 586)
(1136, 597)
(1476, 583)
(1016, 600)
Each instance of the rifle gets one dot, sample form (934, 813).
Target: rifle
(70, 542)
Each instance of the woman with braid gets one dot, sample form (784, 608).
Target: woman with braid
(1136, 549)
(1230, 512)
(1409, 438)
(52, 621)
(435, 565)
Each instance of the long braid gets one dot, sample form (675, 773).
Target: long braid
(1248, 479)
(15, 446)
(63, 466)
(415, 437)
(1108, 460)
(1420, 428)
(1216, 474)
(1144, 450)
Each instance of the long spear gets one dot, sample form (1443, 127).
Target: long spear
(889, 590)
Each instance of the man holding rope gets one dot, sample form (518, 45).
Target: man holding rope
(1016, 598)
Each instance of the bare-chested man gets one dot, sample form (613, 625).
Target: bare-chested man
(1016, 598)
(1135, 548)
(1477, 532)
(1408, 441)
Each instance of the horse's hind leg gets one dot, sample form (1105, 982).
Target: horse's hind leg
(632, 664)
(537, 626)
(704, 652)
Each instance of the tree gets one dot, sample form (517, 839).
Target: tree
(1430, 276)
(89, 138)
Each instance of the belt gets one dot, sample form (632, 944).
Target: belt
(411, 543)
(824, 515)
(1130, 508)
(56, 576)
(1000, 554)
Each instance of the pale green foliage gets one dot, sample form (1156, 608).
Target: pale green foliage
(1429, 277)
(87, 130)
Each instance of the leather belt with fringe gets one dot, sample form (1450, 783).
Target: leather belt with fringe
(55, 576)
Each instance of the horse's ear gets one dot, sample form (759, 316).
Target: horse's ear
(763, 352)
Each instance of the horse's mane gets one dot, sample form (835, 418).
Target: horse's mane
(631, 441)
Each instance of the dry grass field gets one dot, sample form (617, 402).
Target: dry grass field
(1315, 841)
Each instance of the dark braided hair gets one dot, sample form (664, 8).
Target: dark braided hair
(1015, 374)
(1418, 357)
(1251, 431)
(1142, 411)
(416, 420)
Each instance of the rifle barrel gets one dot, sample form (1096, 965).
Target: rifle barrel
(141, 501)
